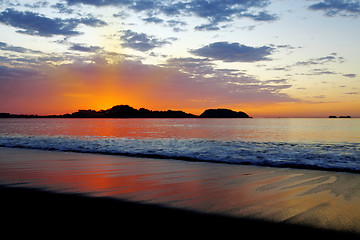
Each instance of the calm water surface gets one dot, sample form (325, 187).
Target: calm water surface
(263, 129)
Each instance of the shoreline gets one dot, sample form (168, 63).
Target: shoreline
(277, 199)
(299, 166)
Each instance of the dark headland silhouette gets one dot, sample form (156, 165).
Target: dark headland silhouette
(340, 117)
(125, 111)
(223, 113)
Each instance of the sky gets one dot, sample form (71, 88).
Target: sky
(268, 58)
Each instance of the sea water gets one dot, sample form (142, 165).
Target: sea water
(328, 144)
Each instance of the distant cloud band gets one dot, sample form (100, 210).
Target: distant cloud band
(337, 7)
(35, 24)
(233, 52)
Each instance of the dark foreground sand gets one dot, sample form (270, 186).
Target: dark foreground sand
(75, 195)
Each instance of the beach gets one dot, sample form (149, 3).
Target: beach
(148, 196)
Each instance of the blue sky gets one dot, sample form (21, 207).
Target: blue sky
(270, 58)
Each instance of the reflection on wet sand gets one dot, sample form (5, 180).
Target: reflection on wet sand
(322, 199)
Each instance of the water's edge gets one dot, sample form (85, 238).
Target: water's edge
(317, 156)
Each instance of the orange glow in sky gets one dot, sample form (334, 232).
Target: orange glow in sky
(69, 89)
(266, 58)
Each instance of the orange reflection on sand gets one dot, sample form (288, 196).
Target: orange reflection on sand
(315, 198)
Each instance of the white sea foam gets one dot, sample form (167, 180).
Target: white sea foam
(329, 156)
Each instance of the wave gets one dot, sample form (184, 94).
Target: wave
(325, 156)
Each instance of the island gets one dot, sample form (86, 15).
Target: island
(223, 113)
(340, 117)
(125, 111)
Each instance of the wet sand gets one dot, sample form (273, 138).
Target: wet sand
(92, 192)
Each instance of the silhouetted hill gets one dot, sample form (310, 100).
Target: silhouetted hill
(223, 113)
(125, 111)
(8, 115)
(340, 117)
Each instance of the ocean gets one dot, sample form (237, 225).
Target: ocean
(304, 143)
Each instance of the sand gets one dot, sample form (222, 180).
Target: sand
(157, 196)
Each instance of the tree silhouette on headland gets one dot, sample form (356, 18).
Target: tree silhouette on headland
(223, 113)
(125, 111)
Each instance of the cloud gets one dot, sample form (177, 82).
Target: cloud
(207, 27)
(121, 14)
(89, 21)
(35, 24)
(6, 47)
(278, 69)
(278, 81)
(261, 16)
(18, 73)
(173, 9)
(191, 66)
(313, 62)
(142, 41)
(37, 4)
(222, 11)
(215, 11)
(153, 20)
(332, 58)
(204, 68)
(136, 5)
(321, 71)
(62, 8)
(350, 75)
(318, 72)
(233, 52)
(337, 7)
(98, 3)
(83, 48)
(226, 85)
(176, 24)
